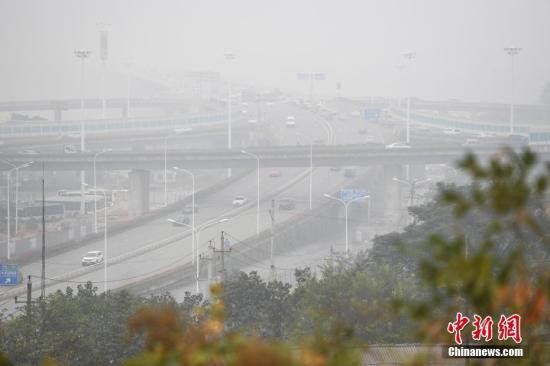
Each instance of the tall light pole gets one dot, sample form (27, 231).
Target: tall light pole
(409, 56)
(17, 195)
(192, 200)
(310, 169)
(229, 57)
(95, 185)
(258, 191)
(512, 51)
(14, 167)
(128, 78)
(82, 55)
(104, 192)
(346, 205)
(103, 55)
(174, 132)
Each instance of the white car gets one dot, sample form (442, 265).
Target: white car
(470, 142)
(28, 152)
(451, 131)
(355, 113)
(239, 201)
(92, 257)
(398, 145)
(290, 121)
(252, 121)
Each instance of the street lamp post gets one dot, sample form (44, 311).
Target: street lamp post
(174, 133)
(310, 169)
(14, 167)
(104, 192)
(95, 185)
(229, 57)
(192, 201)
(346, 205)
(82, 55)
(128, 66)
(17, 195)
(512, 51)
(409, 56)
(258, 190)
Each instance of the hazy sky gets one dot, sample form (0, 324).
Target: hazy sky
(459, 44)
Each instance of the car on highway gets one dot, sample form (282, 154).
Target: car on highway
(354, 113)
(275, 173)
(369, 138)
(188, 208)
(451, 131)
(398, 145)
(239, 201)
(252, 121)
(70, 149)
(180, 221)
(350, 173)
(362, 131)
(318, 142)
(92, 257)
(287, 204)
(335, 168)
(470, 142)
(290, 121)
(28, 152)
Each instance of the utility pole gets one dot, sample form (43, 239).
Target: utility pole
(29, 300)
(271, 262)
(222, 252)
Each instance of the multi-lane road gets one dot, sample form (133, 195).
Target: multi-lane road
(157, 245)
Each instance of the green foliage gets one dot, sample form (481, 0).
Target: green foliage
(500, 267)
(256, 306)
(83, 328)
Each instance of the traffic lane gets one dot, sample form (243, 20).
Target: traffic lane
(128, 240)
(236, 229)
(160, 228)
(176, 253)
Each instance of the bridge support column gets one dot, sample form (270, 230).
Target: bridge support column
(393, 197)
(57, 114)
(139, 192)
(124, 112)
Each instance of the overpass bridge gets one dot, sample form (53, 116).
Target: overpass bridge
(281, 156)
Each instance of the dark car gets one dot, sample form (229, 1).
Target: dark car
(287, 204)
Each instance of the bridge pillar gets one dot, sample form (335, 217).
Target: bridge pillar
(139, 192)
(393, 201)
(124, 112)
(57, 114)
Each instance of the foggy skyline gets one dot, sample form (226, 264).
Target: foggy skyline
(459, 45)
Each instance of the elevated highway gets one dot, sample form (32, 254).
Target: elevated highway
(281, 156)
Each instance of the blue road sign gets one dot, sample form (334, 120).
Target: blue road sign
(9, 275)
(372, 114)
(352, 194)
